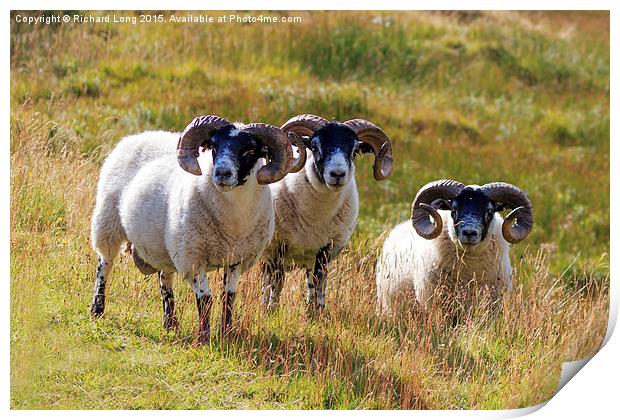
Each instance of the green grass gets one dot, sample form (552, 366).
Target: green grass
(519, 97)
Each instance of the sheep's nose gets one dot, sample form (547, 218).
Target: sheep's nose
(469, 233)
(223, 173)
(337, 173)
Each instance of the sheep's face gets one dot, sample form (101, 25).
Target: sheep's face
(235, 156)
(472, 212)
(333, 148)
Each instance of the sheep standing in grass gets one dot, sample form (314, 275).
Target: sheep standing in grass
(316, 208)
(455, 238)
(152, 192)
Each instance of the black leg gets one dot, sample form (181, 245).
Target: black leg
(310, 289)
(228, 300)
(316, 281)
(231, 279)
(167, 295)
(273, 279)
(98, 305)
(203, 335)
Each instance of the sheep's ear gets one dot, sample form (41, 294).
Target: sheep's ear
(364, 148)
(441, 204)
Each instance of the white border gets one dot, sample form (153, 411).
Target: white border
(594, 392)
(314, 5)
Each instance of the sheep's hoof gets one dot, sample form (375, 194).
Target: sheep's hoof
(170, 323)
(315, 311)
(97, 308)
(202, 338)
(273, 307)
(225, 330)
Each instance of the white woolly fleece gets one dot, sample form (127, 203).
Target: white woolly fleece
(412, 264)
(178, 222)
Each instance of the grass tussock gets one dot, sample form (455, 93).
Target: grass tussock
(520, 97)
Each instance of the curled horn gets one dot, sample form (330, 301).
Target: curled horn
(376, 138)
(520, 221)
(301, 125)
(280, 152)
(297, 163)
(304, 124)
(422, 211)
(197, 133)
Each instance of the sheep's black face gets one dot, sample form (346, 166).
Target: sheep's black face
(235, 154)
(472, 212)
(333, 149)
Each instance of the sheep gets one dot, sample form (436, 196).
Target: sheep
(153, 194)
(455, 238)
(317, 207)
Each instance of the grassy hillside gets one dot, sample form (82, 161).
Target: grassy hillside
(519, 97)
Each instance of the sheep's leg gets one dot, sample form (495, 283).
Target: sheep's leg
(273, 280)
(231, 281)
(266, 274)
(103, 270)
(167, 296)
(316, 281)
(204, 301)
(310, 290)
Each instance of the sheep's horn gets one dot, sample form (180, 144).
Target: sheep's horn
(301, 125)
(197, 133)
(520, 221)
(280, 152)
(376, 138)
(304, 124)
(422, 211)
(297, 163)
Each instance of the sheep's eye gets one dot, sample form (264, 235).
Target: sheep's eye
(248, 153)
